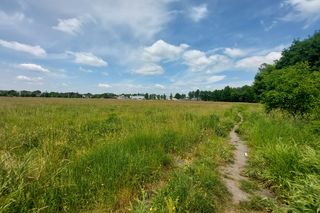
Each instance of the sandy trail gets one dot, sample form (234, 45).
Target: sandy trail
(232, 172)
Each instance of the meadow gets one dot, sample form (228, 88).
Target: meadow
(78, 155)
(84, 155)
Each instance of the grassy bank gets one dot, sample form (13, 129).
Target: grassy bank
(78, 155)
(285, 157)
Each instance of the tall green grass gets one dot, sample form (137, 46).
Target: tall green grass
(197, 187)
(61, 155)
(285, 156)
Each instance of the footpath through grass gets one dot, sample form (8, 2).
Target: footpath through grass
(64, 155)
(285, 157)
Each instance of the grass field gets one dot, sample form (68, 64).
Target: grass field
(108, 155)
(81, 155)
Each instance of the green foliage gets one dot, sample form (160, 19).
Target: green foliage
(238, 94)
(307, 50)
(260, 84)
(293, 83)
(295, 89)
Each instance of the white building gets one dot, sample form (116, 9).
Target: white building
(137, 97)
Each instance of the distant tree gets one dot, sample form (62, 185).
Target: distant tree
(177, 96)
(12, 93)
(146, 96)
(164, 97)
(171, 96)
(239, 94)
(36, 93)
(197, 94)
(191, 95)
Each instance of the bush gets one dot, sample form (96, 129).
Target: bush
(294, 89)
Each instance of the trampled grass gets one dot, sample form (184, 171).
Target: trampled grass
(81, 155)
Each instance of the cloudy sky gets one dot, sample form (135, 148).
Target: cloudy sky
(159, 46)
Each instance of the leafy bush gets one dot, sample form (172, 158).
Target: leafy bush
(294, 89)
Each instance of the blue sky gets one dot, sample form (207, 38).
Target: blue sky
(159, 46)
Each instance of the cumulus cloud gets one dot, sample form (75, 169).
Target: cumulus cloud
(161, 50)
(198, 61)
(34, 67)
(234, 52)
(33, 50)
(28, 79)
(149, 69)
(71, 26)
(198, 13)
(253, 62)
(303, 10)
(104, 85)
(88, 58)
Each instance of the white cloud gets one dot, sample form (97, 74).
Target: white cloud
(28, 79)
(198, 61)
(268, 27)
(104, 85)
(88, 59)
(71, 26)
(161, 50)
(215, 78)
(34, 67)
(159, 86)
(13, 19)
(149, 69)
(85, 70)
(303, 10)
(141, 19)
(33, 50)
(196, 81)
(234, 52)
(105, 73)
(254, 62)
(198, 12)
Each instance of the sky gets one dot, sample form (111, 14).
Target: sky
(155, 46)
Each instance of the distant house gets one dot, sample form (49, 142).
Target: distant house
(137, 97)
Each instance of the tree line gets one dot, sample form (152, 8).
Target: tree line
(228, 94)
(38, 93)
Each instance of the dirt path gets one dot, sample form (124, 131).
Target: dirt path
(232, 172)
